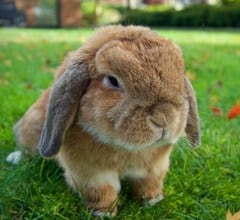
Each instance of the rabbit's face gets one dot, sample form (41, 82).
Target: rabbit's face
(137, 98)
(128, 89)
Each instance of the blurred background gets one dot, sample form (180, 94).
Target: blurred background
(85, 13)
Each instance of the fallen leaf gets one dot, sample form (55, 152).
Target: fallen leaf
(234, 111)
(238, 52)
(229, 216)
(210, 89)
(31, 45)
(48, 69)
(22, 38)
(66, 47)
(237, 102)
(216, 111)
(214, 99)
(19, 58)
(83, 39)
(191, 76)
(48, 61)
(219, 83)
(216, 86)
(29, 86)
(3, 81)
(2, 56)
(44, 41)
(7, 62)
(205, 57)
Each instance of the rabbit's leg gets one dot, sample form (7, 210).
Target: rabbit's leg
(149, 189)
(99, 191)
(101, 199)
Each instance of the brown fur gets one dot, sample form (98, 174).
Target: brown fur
(99, 134)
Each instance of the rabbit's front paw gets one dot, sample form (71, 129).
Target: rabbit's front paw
(99, 213)
(102, 200)
(148, 190)
(155, 200)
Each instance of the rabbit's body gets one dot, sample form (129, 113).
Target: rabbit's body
(89, 165)
(115, 109)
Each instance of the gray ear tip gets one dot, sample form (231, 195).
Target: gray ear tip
(47, 147)
(48, 151)
(43, 153)
(43, 149)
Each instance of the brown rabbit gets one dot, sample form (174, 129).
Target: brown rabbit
(116, 107)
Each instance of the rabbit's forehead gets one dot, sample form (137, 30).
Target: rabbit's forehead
(142, 66)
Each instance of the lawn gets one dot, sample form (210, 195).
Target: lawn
(202, 183)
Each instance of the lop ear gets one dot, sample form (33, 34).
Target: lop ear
(192, 128)
(62, 107)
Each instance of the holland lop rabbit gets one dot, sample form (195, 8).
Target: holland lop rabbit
(115, 109)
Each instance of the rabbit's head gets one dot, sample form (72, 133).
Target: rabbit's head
(127, 88)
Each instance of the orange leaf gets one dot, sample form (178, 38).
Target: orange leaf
(216, 111)
(229, 216)
(234, 112)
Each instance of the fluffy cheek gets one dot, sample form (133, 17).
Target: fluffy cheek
(176, 128)
(134, 129)
(97, 108)
(105, 115)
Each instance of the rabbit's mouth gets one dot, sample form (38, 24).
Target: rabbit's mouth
(160, 135)
(160, 139)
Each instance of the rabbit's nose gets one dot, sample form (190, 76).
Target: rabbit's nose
(155, 123)
(157, 120)
(158, 128)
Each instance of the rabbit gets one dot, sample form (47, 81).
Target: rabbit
(116, 108)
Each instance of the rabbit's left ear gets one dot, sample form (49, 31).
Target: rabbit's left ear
(192, 128)
(62, 107)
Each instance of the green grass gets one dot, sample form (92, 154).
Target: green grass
(201, 184)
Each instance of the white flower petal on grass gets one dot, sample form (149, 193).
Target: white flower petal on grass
(14, 157)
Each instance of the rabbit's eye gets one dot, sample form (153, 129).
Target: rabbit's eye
(112, 82)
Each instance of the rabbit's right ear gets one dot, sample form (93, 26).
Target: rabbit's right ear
(62, 107)
(192, 128)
